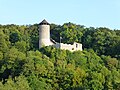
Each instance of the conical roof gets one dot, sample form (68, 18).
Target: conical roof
(44, 22)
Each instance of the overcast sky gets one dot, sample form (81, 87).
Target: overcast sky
(95, 13)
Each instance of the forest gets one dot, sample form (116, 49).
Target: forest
(23, 66)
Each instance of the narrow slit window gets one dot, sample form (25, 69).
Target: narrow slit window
(76, 45)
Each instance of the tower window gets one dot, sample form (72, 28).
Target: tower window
(76, 45)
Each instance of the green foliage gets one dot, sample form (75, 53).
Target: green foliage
(71, 33)
(33, 33)
(21, 46)
(25, 67)
(14, 37)
(4, 43)
(19, 83)
(1, 55)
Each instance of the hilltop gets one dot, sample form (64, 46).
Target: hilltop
(24, 66)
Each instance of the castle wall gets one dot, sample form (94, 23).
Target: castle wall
(71, 47)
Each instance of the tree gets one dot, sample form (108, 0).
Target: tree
(4, 43)
(14, 37)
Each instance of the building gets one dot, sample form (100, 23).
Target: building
(44, 34)
(45, 40)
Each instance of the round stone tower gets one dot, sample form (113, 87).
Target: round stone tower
(44, 34)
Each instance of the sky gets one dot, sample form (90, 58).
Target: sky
(90, 13)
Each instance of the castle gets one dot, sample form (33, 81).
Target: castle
(44, 39)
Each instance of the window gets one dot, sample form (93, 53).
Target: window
(76, 45)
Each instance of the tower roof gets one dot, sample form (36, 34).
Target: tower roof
(44, 22)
